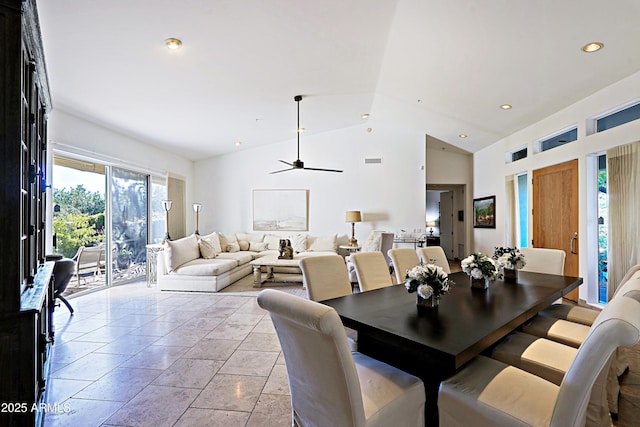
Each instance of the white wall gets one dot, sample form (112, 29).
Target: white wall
(490, 169)
(80, 138)
(390, 195)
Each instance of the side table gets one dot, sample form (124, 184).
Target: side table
(152, 263)
(350, 248)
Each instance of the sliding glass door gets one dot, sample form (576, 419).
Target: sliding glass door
(128, 220)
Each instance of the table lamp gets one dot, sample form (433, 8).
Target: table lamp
(166, 204)
(353, 217)
(197, 207)
(431, 224)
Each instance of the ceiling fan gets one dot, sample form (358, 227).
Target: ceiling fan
(299, 164)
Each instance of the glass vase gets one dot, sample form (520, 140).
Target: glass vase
(479, 283)
(431, 302)
(510, 275)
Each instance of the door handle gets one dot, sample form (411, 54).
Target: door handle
(572, 244)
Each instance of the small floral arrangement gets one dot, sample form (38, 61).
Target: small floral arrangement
(427, 280)
(479, 266)
(510, 258)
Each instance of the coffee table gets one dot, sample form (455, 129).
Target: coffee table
(270, 263)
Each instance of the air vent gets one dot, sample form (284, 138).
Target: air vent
(372, 160)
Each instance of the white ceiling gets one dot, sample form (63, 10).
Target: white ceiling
(243, 61)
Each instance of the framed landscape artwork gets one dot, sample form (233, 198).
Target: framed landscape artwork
(484, 212)
(280, 210)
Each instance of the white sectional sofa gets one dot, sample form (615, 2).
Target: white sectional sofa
(212, 262)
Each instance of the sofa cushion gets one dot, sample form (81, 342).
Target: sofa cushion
(298, 242)
(257, 246)
(181, 251)
(244, 245)
(206, 267)
(322, 243)
(272, 241)
(226, 239)
(209, 245)
(239, 257)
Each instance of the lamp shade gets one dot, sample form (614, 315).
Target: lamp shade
(353, 216)
(432, 223)
(197, 207)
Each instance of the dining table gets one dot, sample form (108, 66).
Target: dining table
(434, 343)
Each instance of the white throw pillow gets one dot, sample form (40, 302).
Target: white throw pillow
(272, 241)
(226, 239)
(324, 244)
(257, 246)
(233, 247)
(250, 237)
(298, 242)
(209, 246)
(372, 245)
(181, 251)
(243, 244)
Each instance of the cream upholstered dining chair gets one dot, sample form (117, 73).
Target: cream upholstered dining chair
(377, 241)
(326, 277)
(372, 270)
(330, 385)
(434, 255)
(402, 259)
(487, 392)
(543, 260)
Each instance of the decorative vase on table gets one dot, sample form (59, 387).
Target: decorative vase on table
(480, 268)
(479, 283)
(430, 302)
(429, 282)
(509, 261)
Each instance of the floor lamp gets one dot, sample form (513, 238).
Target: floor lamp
(197, 207)
(166, 204)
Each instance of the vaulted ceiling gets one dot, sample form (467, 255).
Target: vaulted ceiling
(243, 61)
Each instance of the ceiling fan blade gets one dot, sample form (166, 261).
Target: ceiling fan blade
(286, 163)
(283, 170)
(323, 170)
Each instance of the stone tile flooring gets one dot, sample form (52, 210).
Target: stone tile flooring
(134, 356)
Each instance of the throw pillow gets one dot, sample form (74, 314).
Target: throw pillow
(243, 244)
(214, 239)
(298, 242)
(372, 245)
(181, 251)
(324, 244)
(257, 246)
(249, 237)
(226, 239)
(272, 241)
(233, 247)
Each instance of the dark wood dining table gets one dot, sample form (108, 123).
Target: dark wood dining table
(433, 343)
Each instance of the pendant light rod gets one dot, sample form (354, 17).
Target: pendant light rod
(298, 98)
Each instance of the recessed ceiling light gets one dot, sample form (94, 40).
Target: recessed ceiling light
(462, 135)
(365, 116)
(173, 43)
(592, 47)
(237, 143)
(505, 106)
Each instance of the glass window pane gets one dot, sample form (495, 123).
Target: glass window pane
(522, 210)
(558, 140)
(158, 215)
(621, 117)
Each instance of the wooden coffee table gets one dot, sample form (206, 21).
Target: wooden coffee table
(270, 263)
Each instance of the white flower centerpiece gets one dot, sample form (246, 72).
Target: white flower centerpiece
(509, 261)
(480, 268)
(429, 282)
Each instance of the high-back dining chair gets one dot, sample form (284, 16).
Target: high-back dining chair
(543, 260)
(434, 255)
(377, 241)
(487, 392)
(372, 270)
(330, 385)
(325, 277)
(403, 259)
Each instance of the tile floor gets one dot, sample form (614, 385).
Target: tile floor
(134, 356)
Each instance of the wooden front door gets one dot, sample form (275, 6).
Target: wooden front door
(555, 213)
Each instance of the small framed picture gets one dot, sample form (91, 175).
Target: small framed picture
(484, 212)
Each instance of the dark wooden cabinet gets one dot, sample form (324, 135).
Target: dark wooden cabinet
(26, 288)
